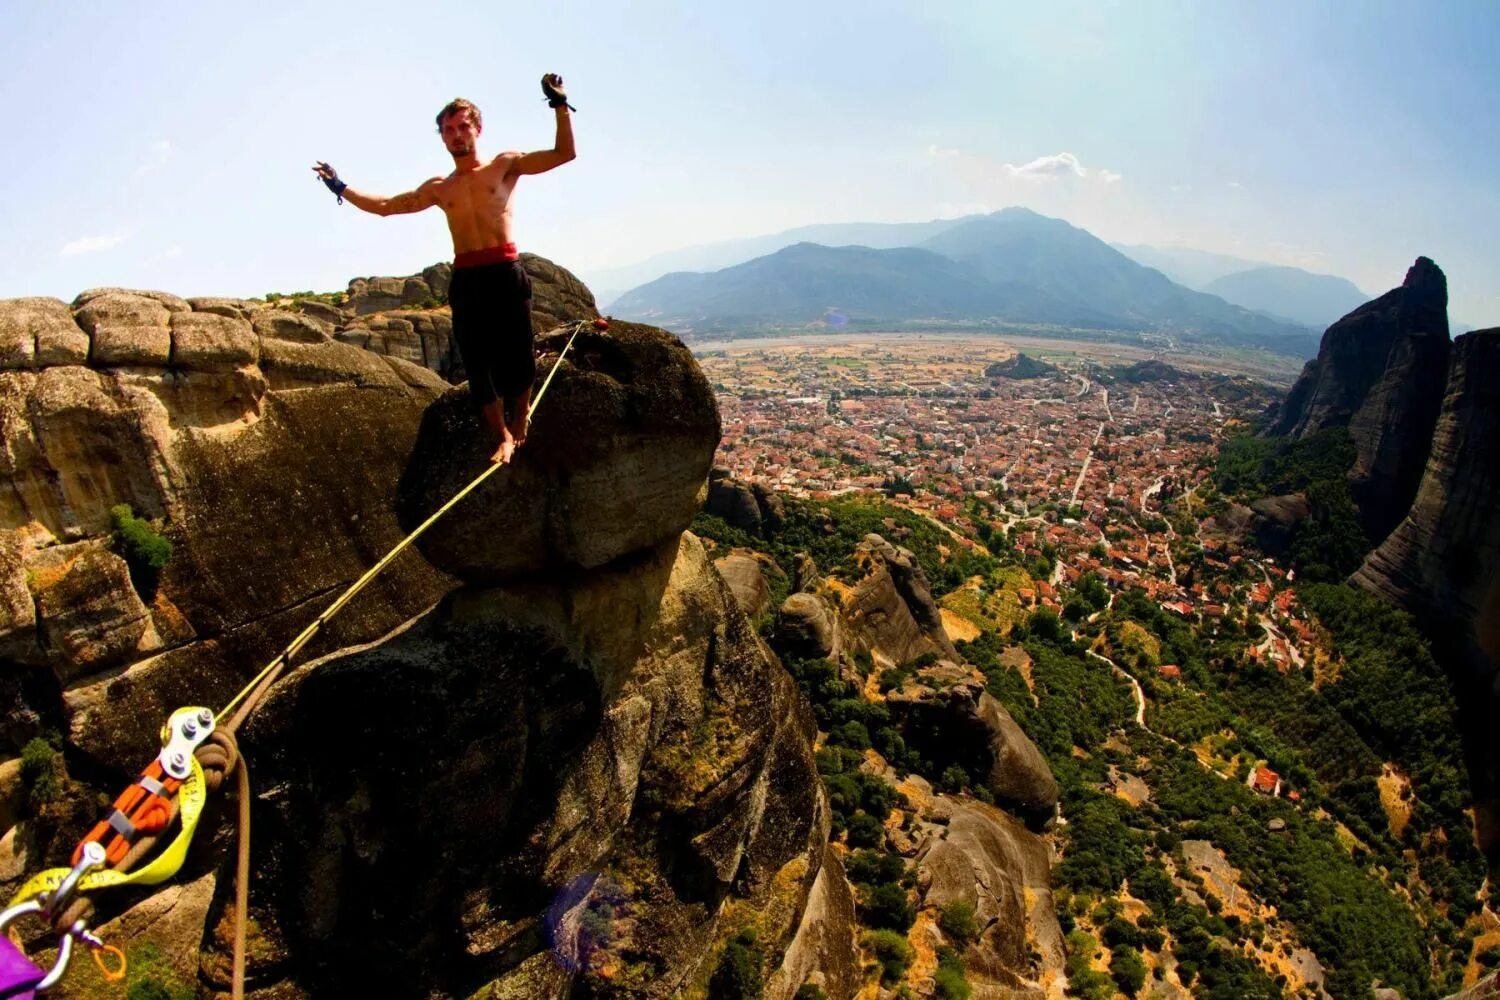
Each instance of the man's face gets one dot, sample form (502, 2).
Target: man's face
(460, 133)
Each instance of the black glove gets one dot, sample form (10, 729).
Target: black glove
(330, 177)
(552, 86)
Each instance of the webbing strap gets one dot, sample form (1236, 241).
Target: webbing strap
(191, 797)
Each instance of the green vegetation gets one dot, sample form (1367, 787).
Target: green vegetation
(829, 530)
(949, 979)
(957, 921)
(893, 953)
(1330, 544)
(144, 551)
(42, 772)
(737, 976)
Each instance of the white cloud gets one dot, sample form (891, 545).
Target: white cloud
(1180, 187)
(1046, 167)
(1058, 165)
(173, 252)
(939, 153)
(90, 244)
(1237, 185)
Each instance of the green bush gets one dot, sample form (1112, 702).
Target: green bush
(949, 979)
(144, 551)
(865, 831)
(1127, 970)
(42, 771)
(737, 976)
(893, 953)
(810, 992)
(886, 907)
(957, 921)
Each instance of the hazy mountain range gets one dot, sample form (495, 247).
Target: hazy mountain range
(1004, 283)
(1010, 267)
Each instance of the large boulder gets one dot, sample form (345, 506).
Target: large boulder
(988, 860)
(747, 581)
(38, 332)
(948, 716)
(806, 627)
(891, 613)
(1379, 372)
(615, 462)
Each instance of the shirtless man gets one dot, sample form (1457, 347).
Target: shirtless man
(491, 292)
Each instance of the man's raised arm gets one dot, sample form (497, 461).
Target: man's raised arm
(425, 196)
(562, 147)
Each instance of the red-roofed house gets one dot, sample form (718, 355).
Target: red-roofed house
(1265, 781)
(1171, 671)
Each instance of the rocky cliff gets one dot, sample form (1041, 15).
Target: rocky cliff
(1442, 562)
(579, 770)
(547, 757)
(1379, 372)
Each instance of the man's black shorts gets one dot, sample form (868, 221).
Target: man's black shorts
(492, 326)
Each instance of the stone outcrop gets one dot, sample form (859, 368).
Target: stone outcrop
(1442, 563)
(807, 628)
(1379, 372)
(580, 775)
(1273, 521)
(947, 715)
(890, 613)
(615, 462)
(746, 578)
(573, 770)
(747, 506)
(985, 858)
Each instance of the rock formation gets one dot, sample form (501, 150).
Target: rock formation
(1379, 372)
(890, 613)
(580, 770)
(1020, 367)
(1442, 563)
(747, 506)
(950, 718)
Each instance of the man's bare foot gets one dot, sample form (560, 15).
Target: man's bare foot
(521, 426)
(504, 452)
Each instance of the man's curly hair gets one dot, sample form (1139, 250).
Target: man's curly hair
(456, 105)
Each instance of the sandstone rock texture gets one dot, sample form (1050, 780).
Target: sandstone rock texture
(949, 717)
(891, 613)
(1442, 563)
(615, 462)
(747, 506)
(1380, 372)
(578, 768)
(990, 861)
(556, 760)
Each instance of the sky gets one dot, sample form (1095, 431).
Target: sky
(169, 145)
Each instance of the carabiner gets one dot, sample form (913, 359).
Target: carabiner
(49, 904)
(64, 943)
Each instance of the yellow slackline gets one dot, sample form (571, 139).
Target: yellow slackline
(348, 595)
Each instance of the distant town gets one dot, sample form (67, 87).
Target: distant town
(1082, 467)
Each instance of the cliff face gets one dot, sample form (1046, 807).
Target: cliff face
(1442, 562)
(554, 759)
(1379, 372)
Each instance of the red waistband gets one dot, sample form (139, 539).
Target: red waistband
(489, 255)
